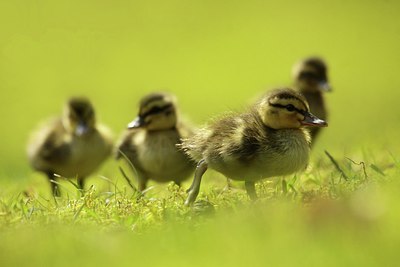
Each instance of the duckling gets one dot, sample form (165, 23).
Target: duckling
(311, 79)
(71, 145)
(267, 140)
(150, 142)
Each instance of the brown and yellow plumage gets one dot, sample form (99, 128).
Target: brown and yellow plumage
(267, 140)
(150, 142)
(72, 146)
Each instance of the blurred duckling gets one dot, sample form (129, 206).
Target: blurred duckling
(311, 79)
(150, 142)
(267, 140)
(70, 146)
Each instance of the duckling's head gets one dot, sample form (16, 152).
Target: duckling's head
(310, 75)
(157, 111)
(79, 116)
(285, 109)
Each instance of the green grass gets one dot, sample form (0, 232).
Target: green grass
(312, 219)
(215, 56)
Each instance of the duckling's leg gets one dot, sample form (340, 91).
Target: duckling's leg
(251, 189)
(142, 183)
(228, 183)
(54, 187)
(81, 185)
(195, 187)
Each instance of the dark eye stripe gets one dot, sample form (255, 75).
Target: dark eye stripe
(309, 75)
(289, 106)
(156, 110)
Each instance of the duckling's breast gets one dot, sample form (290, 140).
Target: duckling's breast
(159, 157)
(283, 152)
(86, 155)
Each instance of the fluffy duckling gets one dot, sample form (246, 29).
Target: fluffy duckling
(311, 79)
(150, 142)
(267, 140)
(71, 145)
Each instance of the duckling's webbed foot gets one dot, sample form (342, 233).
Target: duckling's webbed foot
(251, 189)
(195, 187)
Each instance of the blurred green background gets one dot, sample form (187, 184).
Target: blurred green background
(214, 55)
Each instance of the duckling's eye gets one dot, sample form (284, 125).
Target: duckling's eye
(155, 110)
(290, 108)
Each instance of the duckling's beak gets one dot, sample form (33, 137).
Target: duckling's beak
(312, 120)
(324, 86)
(81, 129)
(136, 123)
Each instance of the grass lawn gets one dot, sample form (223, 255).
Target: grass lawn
(215, 56)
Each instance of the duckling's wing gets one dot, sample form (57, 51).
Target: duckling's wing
(48, 144)
(242, 137)
(125, 148)
(55, 148)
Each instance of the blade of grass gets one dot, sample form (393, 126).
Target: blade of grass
(334, 162)
(127, 179)
(79, 211)
(129, 162)
(293, 189)
(362, 165)
(377, 169)
(59, 184)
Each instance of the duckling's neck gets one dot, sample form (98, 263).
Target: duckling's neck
(312, 94)
(309, 90)
(296, 134)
